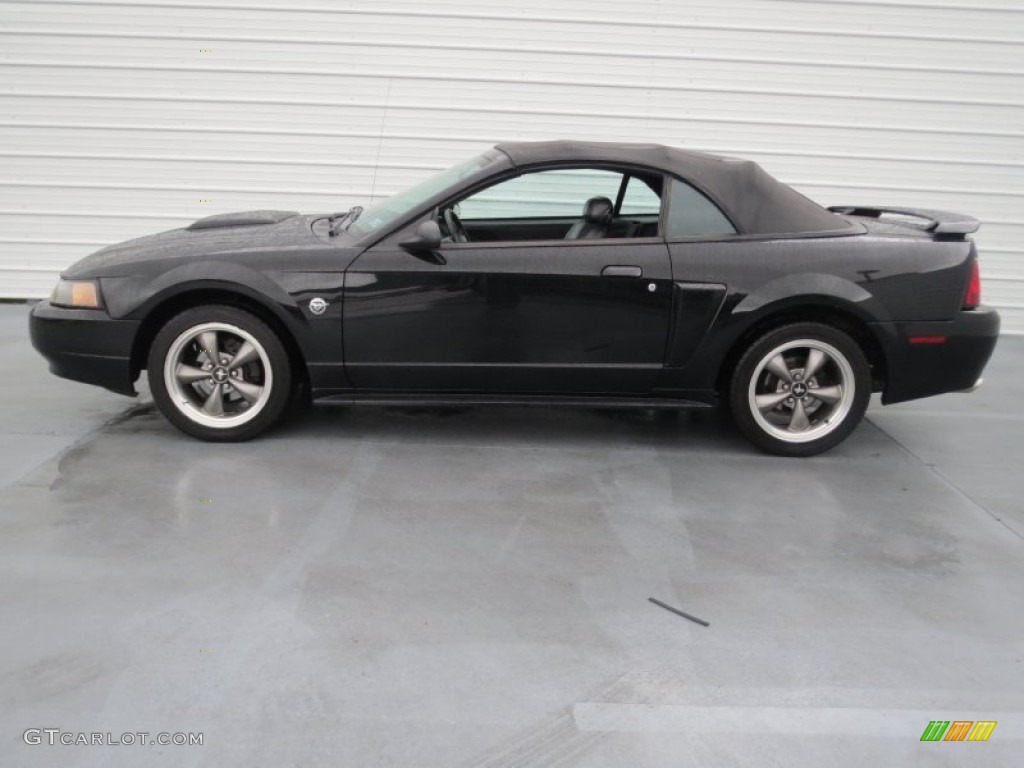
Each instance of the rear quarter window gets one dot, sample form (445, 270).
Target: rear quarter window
(692, 214)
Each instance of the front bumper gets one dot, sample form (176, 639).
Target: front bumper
(85, 345)
(919, 365)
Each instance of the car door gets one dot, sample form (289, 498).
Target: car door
(524, 316)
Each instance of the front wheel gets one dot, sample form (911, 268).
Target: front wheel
(800, 390)
(219, 373)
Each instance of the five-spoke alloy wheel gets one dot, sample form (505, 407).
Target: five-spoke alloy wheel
(219, 373)
(801, 389)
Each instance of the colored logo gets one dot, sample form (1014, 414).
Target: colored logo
(958, 730)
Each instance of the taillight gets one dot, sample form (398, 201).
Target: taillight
(972, 296)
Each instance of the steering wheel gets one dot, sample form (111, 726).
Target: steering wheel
(456, 229)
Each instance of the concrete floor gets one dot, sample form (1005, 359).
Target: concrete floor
(377, 587)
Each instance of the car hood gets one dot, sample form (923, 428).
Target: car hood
(235, 234)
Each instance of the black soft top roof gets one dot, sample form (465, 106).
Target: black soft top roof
(757, 203)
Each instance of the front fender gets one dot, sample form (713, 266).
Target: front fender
(135, 297)
(283, 294)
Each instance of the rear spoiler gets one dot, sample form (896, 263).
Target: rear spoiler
(939, 222)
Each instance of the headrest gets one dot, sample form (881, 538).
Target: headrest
(598, 210)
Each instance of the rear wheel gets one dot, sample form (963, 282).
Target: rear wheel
(800, 390)
(219, 373)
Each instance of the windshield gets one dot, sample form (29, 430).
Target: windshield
(396, 206)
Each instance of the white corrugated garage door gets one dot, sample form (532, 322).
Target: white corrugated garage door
(124, 118)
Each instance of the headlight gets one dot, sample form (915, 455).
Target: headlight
(82, 294)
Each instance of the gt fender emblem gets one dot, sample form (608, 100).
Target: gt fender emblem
(317, 306)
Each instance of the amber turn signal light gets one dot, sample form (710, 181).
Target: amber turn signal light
(80, 294)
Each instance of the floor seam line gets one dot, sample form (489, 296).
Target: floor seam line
(945, 479)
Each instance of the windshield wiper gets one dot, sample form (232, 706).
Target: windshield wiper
(337, 222)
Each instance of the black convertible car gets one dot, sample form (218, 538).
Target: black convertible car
(559, 273)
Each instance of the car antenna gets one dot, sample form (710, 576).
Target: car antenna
(380, 139)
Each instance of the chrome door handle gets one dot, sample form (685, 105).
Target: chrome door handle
(622, 271)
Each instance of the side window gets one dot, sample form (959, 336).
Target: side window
(640, 199)
(691, 214)
(545, 194)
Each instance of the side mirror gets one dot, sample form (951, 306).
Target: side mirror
(425, 242)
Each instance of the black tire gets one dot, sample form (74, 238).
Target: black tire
(760, 379)
(189, 402)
